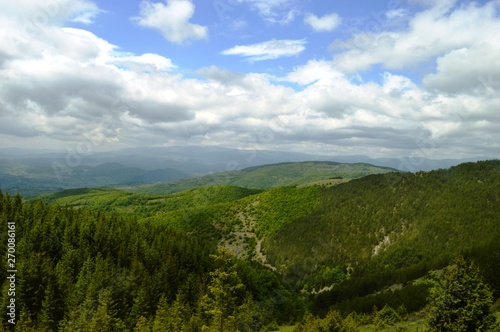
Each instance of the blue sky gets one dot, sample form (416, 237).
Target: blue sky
(229, 23)
(395, 78)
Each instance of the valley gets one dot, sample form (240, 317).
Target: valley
(343, 237)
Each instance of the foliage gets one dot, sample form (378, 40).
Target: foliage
(461, 301)
(388, 316)
(91, 271)
(281, 206)
(333, 322)
(324, 276)
(384, 231)
(194, 210)
(223, 291)
(145, 205)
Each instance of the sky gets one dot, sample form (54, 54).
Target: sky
(390, 78)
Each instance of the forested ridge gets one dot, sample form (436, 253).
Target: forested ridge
(385, 231)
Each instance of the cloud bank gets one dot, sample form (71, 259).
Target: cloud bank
(61, 85)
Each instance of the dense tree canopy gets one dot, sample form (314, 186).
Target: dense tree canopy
(461, 301)
(91, 271)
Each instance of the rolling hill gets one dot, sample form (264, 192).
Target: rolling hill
(269, 176)
(352, 245)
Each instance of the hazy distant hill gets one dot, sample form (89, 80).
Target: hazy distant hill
(201, 160)
(35, 171)
(269, 176)
(29, 179)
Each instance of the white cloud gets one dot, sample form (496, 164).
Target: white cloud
(221, 75)
(314, 71)
(172, 20)
(62, 83)
(396, 13)
(239, 24)
(37, 14)
(467, 70)
(324, 23)
(147, 62)
(271, 49)
(431, 33)
(274, 11)
(84, 12)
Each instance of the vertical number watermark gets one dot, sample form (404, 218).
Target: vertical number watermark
(11, 272)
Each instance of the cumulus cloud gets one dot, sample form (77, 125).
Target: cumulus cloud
(172, 20)
(271, 49)
(67, 84)
(431, 33)
(467, 69)
(62, 83)
(396, 114)
(221, 75)
(324, 23)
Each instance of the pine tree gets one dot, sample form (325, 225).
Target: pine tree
(79, 317)
(171, 318)
(51, 310)
(333, 322)
(178, 313)
(25, 323)
(461, 301)
(161, 318)
(225, 287)
(104, 319)
(142, 325)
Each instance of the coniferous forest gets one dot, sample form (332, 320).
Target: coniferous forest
(372, 253)
(80, 270)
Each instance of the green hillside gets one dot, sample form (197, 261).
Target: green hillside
(144, 205)
(387, 230)
(196, 210)
(269, 176)
(353, 246)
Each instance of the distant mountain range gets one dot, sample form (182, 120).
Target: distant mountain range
(28, 178)
(32, 171)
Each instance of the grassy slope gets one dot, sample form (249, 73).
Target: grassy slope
(145, 205)
(268, 176)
